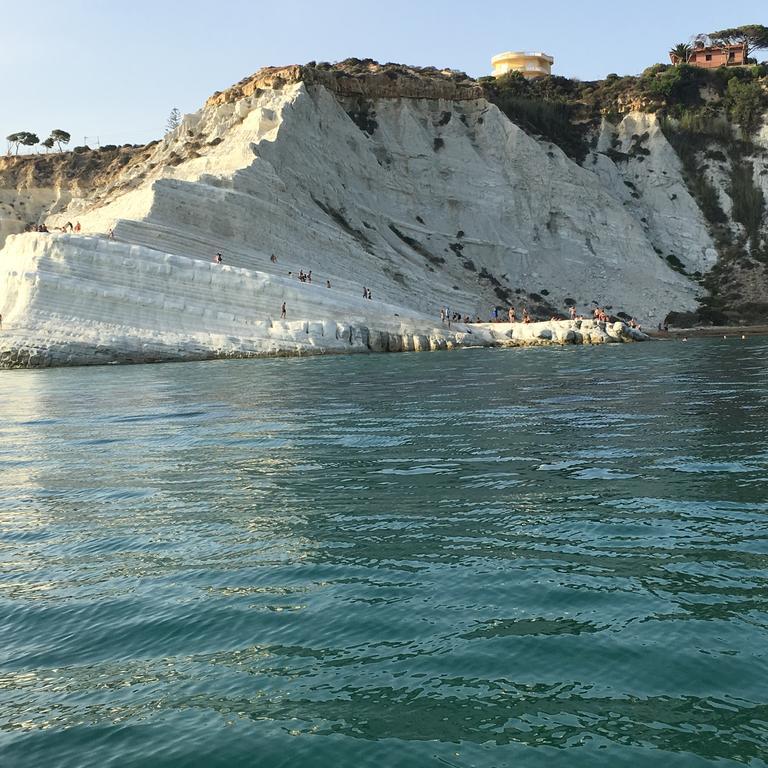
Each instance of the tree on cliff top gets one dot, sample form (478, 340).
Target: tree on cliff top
(26, 138)
(681, 52)
(48, 143)
(13, 141)
(60, 137)
(754, 36)
(173, 120)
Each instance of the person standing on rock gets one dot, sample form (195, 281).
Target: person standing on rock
(217, 259)
(572, 311)
(511, 314)
(282, 311)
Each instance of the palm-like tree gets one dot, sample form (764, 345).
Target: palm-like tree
(680, 53)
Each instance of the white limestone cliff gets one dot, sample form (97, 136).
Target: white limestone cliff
(647, 177)
(133, 305)
(428, 202)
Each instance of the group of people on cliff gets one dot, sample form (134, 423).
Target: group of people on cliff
(511, 316)
(68, 227)
(602, 316)
(448, 316)
(303, 277)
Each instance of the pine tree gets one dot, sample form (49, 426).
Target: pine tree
(60, 137)
(27, 138)
(173, 120)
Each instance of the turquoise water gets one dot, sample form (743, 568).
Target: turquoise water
(543, 557)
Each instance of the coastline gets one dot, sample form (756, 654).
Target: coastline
(90, 301)
(709, 331)
(49, 346)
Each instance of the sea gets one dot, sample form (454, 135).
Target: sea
(524, 557)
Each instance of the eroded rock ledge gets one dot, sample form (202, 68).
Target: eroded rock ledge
(109, 345)
(355, 77)
(78, 300)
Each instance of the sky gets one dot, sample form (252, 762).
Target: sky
(110, 72)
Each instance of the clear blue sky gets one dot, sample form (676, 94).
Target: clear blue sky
(115, 70)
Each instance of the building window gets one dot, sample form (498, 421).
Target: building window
(708, 57)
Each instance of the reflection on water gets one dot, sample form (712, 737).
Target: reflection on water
(477, 558)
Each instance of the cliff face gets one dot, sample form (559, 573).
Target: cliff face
(402, 180)
(431, 202)
(672, 129)
(637, 165)
(360, 78)
(34, 186)
(78, 300)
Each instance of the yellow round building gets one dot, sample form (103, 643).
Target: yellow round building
(528, 63)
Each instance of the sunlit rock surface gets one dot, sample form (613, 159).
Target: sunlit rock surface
(429, 201)
(134, 305)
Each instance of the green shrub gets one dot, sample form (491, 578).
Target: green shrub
(693, 130)
(708, 201)
(680, 84)
(676, 264)
(655, 69)
(686, 141)
(748, 201)
(554, 120)
(746, 102)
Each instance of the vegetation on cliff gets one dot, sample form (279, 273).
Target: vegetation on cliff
(711, 118)
(82, 167)
(563, 110)
(29, 139)
(361, 78)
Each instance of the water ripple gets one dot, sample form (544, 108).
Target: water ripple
(478, 558)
